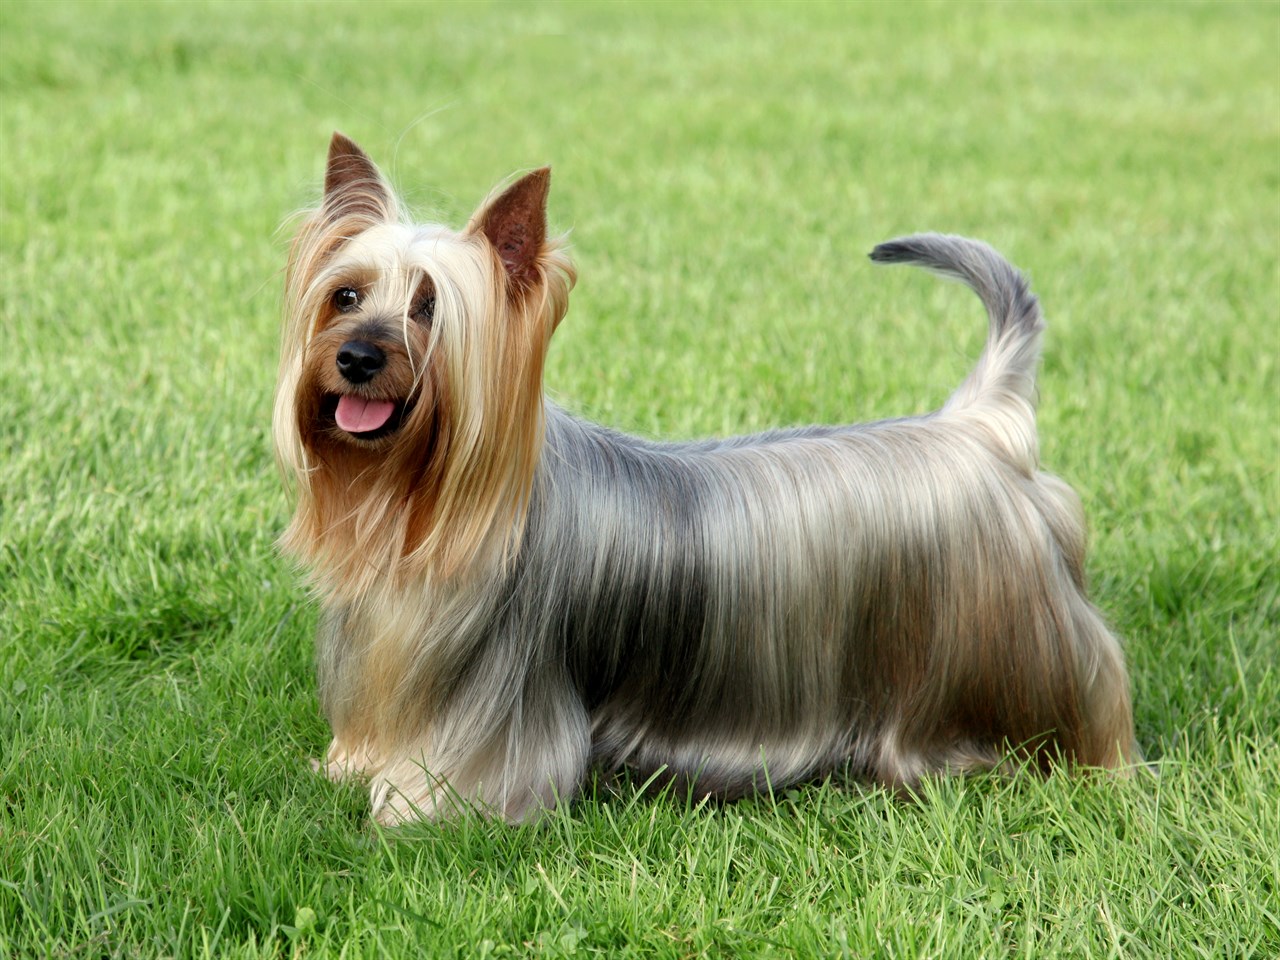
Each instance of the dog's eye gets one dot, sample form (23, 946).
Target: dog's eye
(425, 309)
(345, 299)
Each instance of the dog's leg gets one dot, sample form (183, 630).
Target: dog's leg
(1106, 738)
(527, 763)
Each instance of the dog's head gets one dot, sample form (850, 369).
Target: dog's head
(411, 371)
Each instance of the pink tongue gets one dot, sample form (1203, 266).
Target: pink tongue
(358, 415)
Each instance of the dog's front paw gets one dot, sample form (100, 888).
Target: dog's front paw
(341, 763)
(391, 808)
(408, 794)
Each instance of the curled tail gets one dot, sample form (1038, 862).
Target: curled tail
(1002, 386)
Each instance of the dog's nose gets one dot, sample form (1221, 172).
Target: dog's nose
(359, 360)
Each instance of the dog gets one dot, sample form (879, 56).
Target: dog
(513, 595)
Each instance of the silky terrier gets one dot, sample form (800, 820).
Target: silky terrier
(513, 595)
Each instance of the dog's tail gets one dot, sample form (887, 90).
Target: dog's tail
(1004, 379)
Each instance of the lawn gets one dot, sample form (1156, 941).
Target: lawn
(723, 170)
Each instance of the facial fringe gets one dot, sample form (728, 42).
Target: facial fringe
(324, 230)
(452, 501)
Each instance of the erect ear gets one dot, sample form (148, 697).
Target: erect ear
(352, 183)
(515, 223)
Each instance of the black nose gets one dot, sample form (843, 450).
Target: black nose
(359, 360)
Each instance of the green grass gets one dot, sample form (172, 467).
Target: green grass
(724, 170)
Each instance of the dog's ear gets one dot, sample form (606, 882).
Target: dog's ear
(352, 184)
(515, 223)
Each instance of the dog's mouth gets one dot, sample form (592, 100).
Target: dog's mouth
(362, 418)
